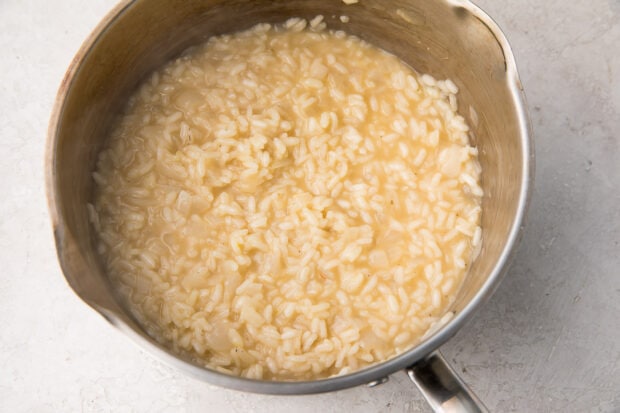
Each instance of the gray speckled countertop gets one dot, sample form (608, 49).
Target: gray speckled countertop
(548, 340)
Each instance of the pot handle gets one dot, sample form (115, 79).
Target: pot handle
(442, 387)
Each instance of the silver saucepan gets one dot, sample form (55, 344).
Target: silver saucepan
(447, 38)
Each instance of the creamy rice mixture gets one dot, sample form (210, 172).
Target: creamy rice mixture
(288, 203)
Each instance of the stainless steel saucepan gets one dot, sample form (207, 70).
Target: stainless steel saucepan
(446, 38)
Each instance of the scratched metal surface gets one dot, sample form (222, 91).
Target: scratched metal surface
(549, 339)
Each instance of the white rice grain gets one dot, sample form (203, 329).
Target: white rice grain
(273, 208)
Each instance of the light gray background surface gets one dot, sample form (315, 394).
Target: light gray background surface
(548, 340)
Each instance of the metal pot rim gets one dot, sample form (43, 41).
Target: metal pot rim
(370, 374)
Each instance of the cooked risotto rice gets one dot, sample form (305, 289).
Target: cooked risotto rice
(288, 203)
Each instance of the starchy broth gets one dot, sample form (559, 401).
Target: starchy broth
(288, 203)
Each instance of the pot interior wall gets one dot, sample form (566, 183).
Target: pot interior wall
(445, 41)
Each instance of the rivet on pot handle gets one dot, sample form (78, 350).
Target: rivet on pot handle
(442, 387)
